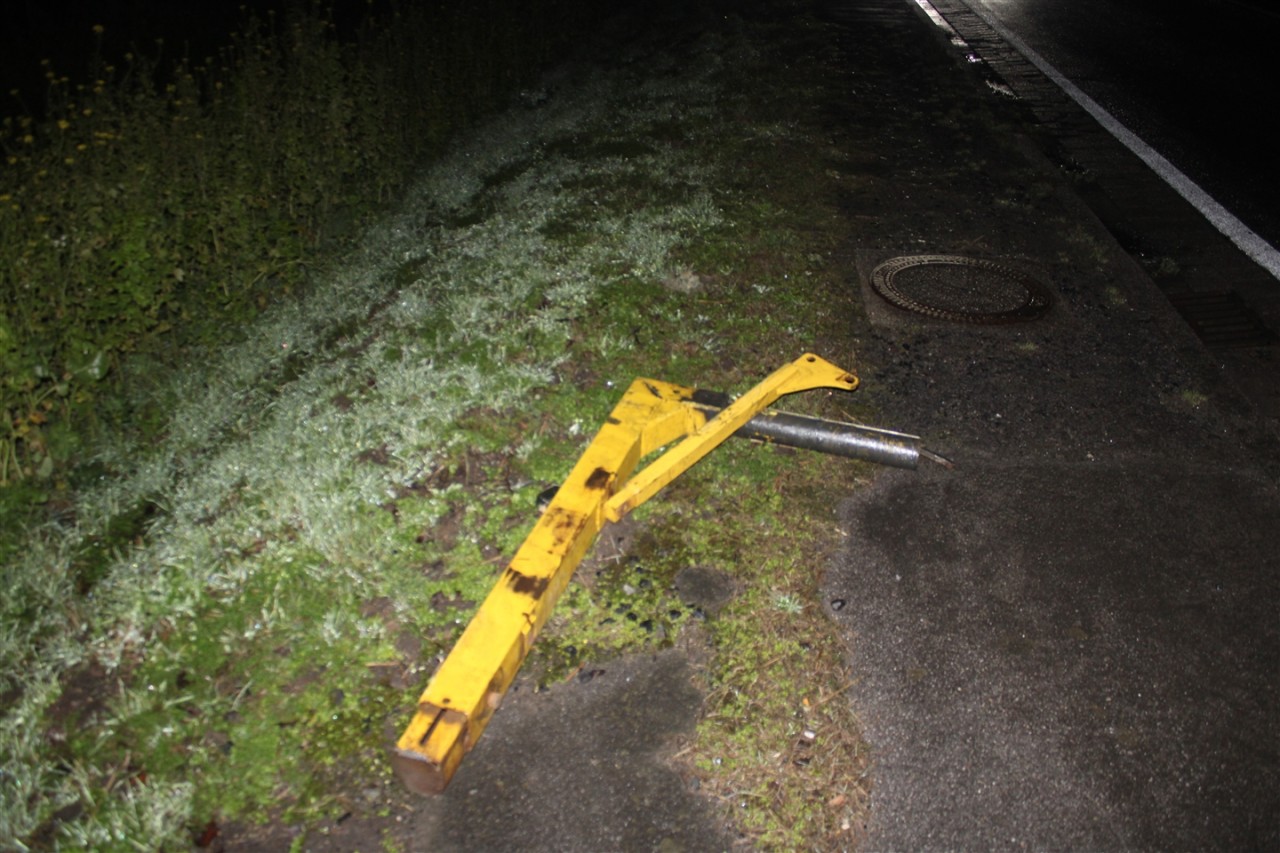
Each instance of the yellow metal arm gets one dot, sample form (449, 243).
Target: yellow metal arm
(803, 374)
(471, 682)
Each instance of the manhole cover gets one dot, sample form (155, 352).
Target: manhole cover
(966, 290)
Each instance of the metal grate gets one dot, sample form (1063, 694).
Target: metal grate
(1222, 320)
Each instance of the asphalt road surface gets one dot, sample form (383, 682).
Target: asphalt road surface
(1195, 80)
(1070, 640)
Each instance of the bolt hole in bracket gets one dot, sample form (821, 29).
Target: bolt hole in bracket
(603, 486)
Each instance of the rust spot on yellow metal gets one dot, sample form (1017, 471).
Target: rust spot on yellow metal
(599, 478)
(524, 584)
(559, 517)
(564, 524)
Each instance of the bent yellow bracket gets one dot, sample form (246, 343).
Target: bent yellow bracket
(471, 682)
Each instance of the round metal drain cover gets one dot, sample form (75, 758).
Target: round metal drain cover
(966, 290)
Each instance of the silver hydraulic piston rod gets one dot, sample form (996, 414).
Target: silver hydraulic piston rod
(854, 441)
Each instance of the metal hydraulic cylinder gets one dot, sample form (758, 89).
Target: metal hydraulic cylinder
(853, 441)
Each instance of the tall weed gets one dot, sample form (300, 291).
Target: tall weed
(152, 207)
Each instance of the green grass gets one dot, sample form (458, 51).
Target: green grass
(270, 566)
(151, 206)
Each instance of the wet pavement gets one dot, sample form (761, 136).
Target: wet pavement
(1067, 655)
(1071, 640)
(582, 766)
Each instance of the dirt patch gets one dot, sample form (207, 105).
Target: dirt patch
(705, 589)
(87, 692)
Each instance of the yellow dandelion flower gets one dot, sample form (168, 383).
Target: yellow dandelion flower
(69, 160)
(28, 139)
(63, 124)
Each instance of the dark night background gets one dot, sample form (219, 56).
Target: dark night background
(62, 32)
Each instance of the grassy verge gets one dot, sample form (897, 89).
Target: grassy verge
(276, 567)
(152, 206)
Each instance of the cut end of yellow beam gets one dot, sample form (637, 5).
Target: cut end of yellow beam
(417, 773)
(430, 750)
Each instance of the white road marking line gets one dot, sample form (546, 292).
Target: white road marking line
(1258, 249)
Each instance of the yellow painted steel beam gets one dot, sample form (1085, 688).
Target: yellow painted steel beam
(803, 374)
(471, 682)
